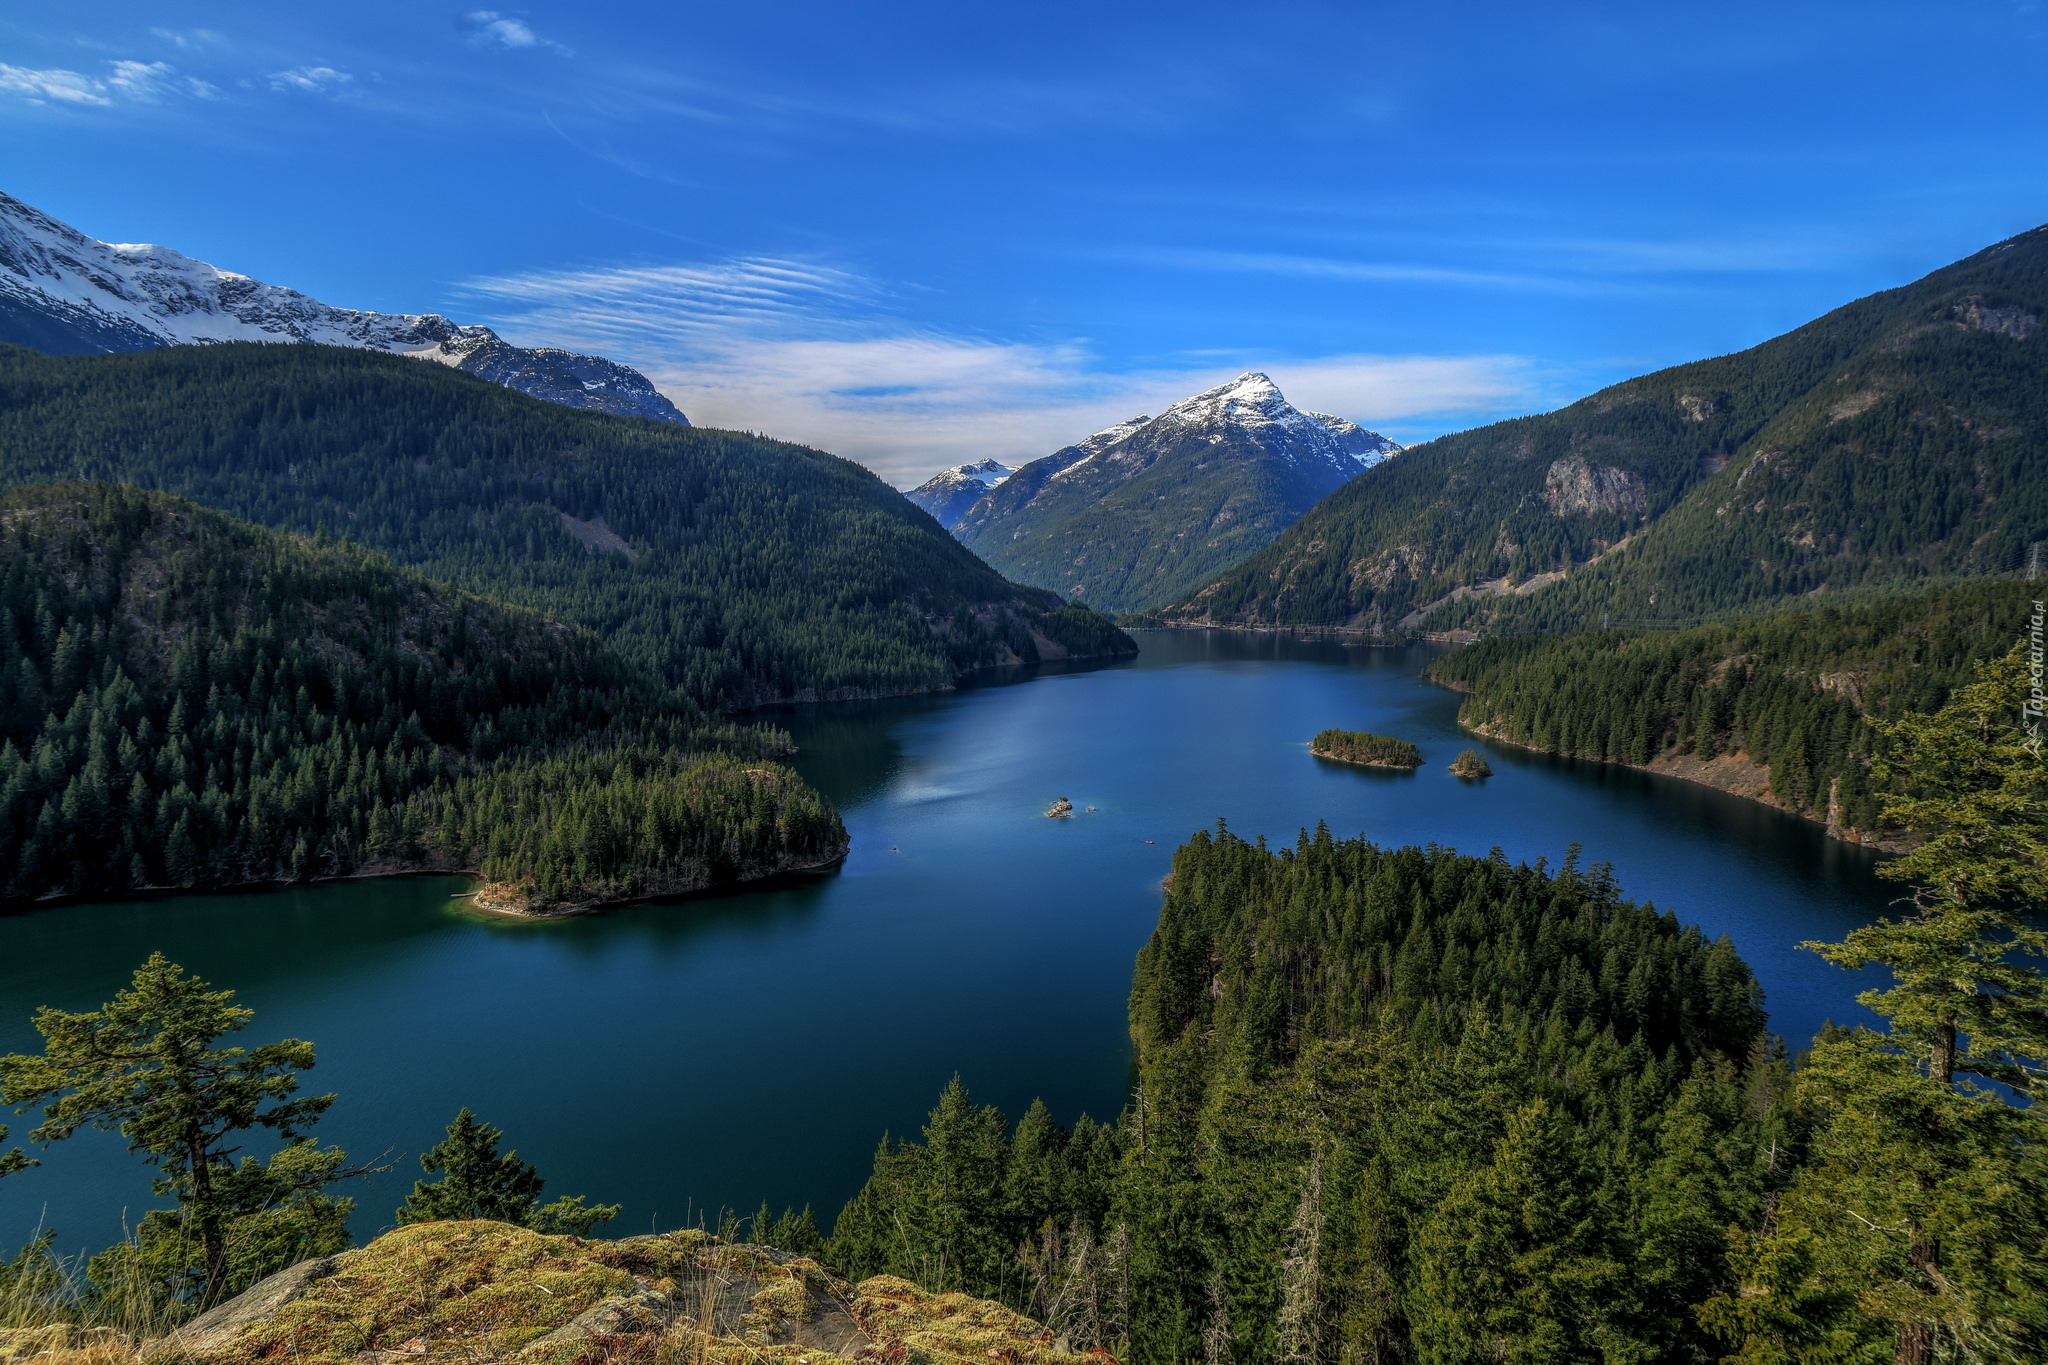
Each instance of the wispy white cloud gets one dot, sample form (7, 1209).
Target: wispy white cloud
(52, 86)
(155, 82)
(190, 39)
(812, 353)
(315, 80)
(129, 82)
(489, 28)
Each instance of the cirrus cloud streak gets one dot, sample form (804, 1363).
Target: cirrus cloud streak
(813, 353)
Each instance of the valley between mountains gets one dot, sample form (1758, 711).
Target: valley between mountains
(284, 608)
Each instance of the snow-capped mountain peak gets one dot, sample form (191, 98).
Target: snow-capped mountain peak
(1253, 404)
(950, 492)
(68, 293)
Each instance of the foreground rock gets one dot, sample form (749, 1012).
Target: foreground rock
(479, 1292)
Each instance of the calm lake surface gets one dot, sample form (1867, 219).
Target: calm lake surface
(689, 1056)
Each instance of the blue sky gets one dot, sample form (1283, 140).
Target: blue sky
(916, 234)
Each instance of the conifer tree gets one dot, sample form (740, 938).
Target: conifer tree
(1514, 1266)
(1927, 1189)
(145, 1065)
(477, 1181)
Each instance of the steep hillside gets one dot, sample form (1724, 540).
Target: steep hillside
(65, 293)
(190, 701)
(741, 569)
(1143, 511)
(1896, 440)
(1776, 708)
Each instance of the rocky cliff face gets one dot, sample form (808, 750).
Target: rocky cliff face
(65, 293)
(1577, 487)
(1142, 510)
(476, 1292)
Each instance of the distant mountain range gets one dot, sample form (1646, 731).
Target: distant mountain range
(1145, 510)
(1898, 441)
(949, 493)
(64, 293)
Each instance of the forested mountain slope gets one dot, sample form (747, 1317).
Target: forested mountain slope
(187, 700)
(1792, 694)
(1896, 440)
(1142, 511)
(741, 569)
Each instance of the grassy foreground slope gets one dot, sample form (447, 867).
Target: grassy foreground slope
(1895, 441)
(1792, 694)
(190, 701)
(740, 568)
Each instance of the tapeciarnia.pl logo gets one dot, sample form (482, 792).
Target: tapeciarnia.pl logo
(2030, 711)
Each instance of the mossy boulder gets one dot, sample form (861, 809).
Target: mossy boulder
(478, 1292)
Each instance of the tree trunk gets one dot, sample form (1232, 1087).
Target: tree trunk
(213, 1250)
(1916, 1336)
(1942, 1061)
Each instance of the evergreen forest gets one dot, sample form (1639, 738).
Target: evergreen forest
(1405, 1105)
(1361, 746)
(1797, 692)
(190, 701)
(739, 569)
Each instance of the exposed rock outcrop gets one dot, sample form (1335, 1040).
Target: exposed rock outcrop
(1576, 486)
(476, 1292)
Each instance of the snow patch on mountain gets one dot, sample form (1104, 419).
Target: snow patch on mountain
(950, 492)
(1253, 404)
(65, 292)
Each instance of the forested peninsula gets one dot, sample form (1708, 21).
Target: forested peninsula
(188, 701)
(1407, 1105)
(1787, 708)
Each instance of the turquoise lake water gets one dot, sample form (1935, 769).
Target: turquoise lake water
(684, 1057)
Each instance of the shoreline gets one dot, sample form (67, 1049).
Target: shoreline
(1741, 779)
(510, 912)
(1367, 762)
(259, 888)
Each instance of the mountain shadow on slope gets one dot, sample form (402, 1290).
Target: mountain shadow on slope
(740, 569)
(1895, 441)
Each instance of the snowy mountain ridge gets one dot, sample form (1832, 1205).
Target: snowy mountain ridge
(64, 292)
(1253, 404)
(1152, 505)
(950, 492)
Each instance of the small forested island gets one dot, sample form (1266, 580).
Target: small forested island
(1471, 763)
(1365, 748)
(1060, 809)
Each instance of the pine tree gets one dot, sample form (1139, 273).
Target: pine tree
(1913, 1147)
(479, 1182)
(1514, 1265)
(145, 1065)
